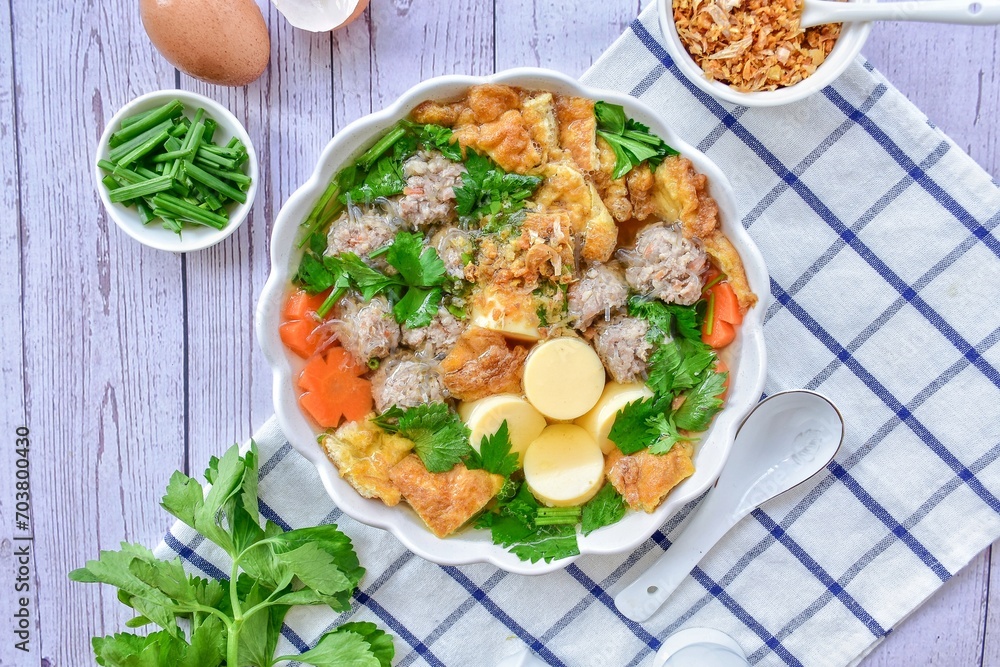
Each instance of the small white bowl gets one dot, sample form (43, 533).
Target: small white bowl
(852, 37)
(746, 358)
(193, 237)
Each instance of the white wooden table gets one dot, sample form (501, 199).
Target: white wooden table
(128, 363)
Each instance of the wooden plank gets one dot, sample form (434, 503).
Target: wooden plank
(286, 114)
(991, 640)
(352, 72)
(414, 41)
(11, 363)
(565, 36)
(950, 73)
(947, 630)
(102, 314)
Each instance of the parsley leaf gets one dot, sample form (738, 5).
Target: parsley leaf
(547, 543)
(631, 431)
(271, 571)
(384, 180)
(702, 403)
(439, 138)
(439, 437)
(494, 455)
(604, 509)
(631, 141)
(667, 434)
(514, 526)
(418, 265)
(666, 318)
(417, 308)
(487, 191)
(678, 364)
(423, 273)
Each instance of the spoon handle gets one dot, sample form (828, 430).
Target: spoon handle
(712, 519)
(969, 12)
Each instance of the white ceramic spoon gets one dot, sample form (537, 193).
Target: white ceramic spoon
(970, 12)
(787, 438)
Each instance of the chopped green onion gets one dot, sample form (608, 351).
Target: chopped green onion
(316, 218)
(169, 156)
(714, 281)
(368, 158)
(144, 148)
(142, 189)
(151, 165)
(135, 118)
(330, 301)
(165, 113)
(213, 159)
(710, 314)
(210, 127)
(145, 212)
(554, 516)
(198, 174)
(116, 153)
(183, 209)
(234, 176)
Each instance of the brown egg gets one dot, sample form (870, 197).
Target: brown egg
(219, 41)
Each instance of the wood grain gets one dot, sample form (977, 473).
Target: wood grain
(950, 73)
(102, 337)
(565, 36)
(133, 362)
(229, 381)
(948, 630)
(11, 361)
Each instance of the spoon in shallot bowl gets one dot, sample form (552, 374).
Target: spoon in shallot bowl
(974, 12)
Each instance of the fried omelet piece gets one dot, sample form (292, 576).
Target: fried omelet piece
(437, 113)
(444, 500)
(680, 193)
(640, 184)
(578, 130)
(566, 188)
(492, 122)
(613, 191)
(482, 364)
(644, 479)
(363, 454)
(540, 115)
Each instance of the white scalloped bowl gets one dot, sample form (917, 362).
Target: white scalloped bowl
(847, 47)
(746, 361)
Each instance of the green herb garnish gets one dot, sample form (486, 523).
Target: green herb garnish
(631, 141)
(415, 291)
(234, 622)
(487, 191)
(494, 455)
(604, 509)
(514, 524)
(439, 437)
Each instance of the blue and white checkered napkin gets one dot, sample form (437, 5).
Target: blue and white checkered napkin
(879, 236)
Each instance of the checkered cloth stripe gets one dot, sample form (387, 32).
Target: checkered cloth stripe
(879, 233)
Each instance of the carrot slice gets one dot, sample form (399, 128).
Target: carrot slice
(302, 305)
(333, 388)
(723, 367)
(297, 335)
(300, 322)
(727, 306)
(722, 334)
